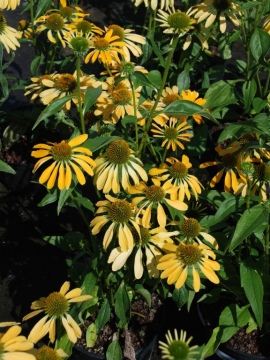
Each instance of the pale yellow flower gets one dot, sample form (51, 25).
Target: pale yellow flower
(8, 35)
(56, 307)
(9, 4)
(68, 156)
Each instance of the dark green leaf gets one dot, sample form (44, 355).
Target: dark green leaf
(6, 168)
(91, 335)
(259, 44)
(219, 95)
(249, 90)
(90, 98)
(52, 109)
(42, 7)
(183, 81)
(251, 281)
(122, 305)
(248, 223)
(114, 351)
(103, 315)
(143, 79)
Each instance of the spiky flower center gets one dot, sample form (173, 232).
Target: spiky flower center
(128, 68)
(222, 5)
(229, 160)
(61, 151)
(118, 152)
(55, 22)
(66, 83)
(120, 211)
(117, 31)
(101, 43)
(67, 12)
(178, 170)
(23, 25)
(171, 98)
(56, 305)
(46, 353)
(170, 133)
(190, 228)
(121, 95)
(3, 23)
(79, 45)
(262, 172)
(179, 21)
(84, 26)
(155, 193)
(189, 254)
(178, 349)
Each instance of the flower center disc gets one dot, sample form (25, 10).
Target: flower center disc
(56, 305)
(179, 20)
(79, 44)
(66, 82)
(155, 193)
(84, 26)
(121, 96)
(118, 152)
(222, 5)
(55, 22)
(188, 254)
(262, 172)
(171, 98)
(46, 353)
(170, 133)
(120, 211)
(178, 350)
(101, 44)
(178, 170)
(61, 151)
(229, 160)
(190, 228)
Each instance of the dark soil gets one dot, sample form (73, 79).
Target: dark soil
(144, 325)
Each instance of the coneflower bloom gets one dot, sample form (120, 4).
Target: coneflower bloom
(130, 39)
(8, 35)
(37, 85)
(178, 347)
(175, 21)
(86, 27)
(67, 156)
(230, 167)
(105, 49)
(217, 9)
(73, 14)
(120, 213)
(56, 307)
(9, 4)
(185, 260)
(147, 249)
(118, 165)
(173, 133)
(116, 100)
(266, 24)
(13, 345)
(169, 95)
(61, 85)
(176, 172)
(55, 25)
(152, 198)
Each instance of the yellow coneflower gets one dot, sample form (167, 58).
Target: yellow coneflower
(8, 35)
(175, 21)
(68, 156)
(154, 4)
(56, 307)
(9, 4)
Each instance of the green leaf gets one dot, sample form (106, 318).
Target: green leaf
(87, 203)
(6, 168)
(247, 224)
(143, 79)
(226, 208)
(155, 78)
(52, 109)
(183, 81)
(69, 242)
(122, 305)
(212, 344)
(91, 335)
(249, 90)
(144, 293)
(114, 351)
(225, 95)
(48, 199)
(259, 44)
(251, 281)
(90, 98)
(63, 197)
(42, 7)
(180, 296)
(186, 107)
(35, 64)
(103, 315)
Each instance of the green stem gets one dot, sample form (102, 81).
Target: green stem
(164, 79)
(135, 113)
(52, 53)
(80, 110)
(32, 21)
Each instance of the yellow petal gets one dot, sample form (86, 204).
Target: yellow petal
(78, 140)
